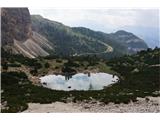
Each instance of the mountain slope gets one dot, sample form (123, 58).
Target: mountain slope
(35, 36)
(132, 42)
(102, 37)
(66, 41)
(17, 34)
(32, 47)
(83, 41)
(121, 40)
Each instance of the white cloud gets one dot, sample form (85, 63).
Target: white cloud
(142, 22)
(112, 18)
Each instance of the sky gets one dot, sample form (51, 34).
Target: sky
(142, 22)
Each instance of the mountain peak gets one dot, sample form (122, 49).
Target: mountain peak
(122, 32)
(37, 16)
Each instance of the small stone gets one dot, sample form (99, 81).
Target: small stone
(86, 107)
(147, 99)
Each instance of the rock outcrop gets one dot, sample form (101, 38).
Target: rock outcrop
(17, 34)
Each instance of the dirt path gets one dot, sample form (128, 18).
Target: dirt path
(151, 104)
(109, 49)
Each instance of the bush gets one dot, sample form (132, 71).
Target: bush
(68, 70)
(46, 65)
(5, 66)
(34, 71)
(71, 63)
(59, 60)
(14, 65)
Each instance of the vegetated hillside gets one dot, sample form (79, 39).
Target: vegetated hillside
(139, 77)
(140, 72)
(17, 34)
(83, 41)
(131, 41)
(66, 41)
(121, 40)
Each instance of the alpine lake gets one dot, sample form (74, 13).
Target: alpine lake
(79, 81)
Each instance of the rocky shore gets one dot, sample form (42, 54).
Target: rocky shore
(143, 105)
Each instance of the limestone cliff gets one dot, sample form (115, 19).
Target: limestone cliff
(17, 35)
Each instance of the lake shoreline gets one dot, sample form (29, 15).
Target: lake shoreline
(143, 105)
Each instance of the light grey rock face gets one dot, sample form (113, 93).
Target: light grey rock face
(17, 34)
(15, 25)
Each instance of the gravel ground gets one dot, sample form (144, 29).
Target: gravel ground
(148, 104)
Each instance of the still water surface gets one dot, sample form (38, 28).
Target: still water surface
(80, 81)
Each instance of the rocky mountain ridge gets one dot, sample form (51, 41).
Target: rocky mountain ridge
(33, 36)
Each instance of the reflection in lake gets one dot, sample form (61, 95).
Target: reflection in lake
(80, 81)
